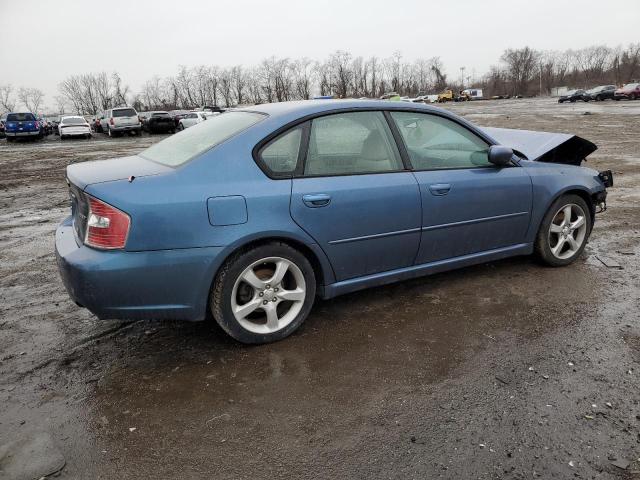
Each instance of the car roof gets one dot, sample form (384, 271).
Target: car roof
(310, 107)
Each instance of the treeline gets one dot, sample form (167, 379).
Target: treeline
(522, 71)
(526, 71)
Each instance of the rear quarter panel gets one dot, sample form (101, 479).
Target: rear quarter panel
(169, 210)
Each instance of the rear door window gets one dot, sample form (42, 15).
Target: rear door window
(351, 143)
(21, 117)
(124, 112)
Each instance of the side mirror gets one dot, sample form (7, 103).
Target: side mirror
(500, 155)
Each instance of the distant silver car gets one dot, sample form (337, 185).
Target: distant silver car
(74, 126)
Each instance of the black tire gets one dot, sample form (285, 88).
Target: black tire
(542, 243)
(221, 293)
(599, 98)
(10, 139)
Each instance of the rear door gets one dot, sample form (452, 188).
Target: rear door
(354, 196)
(468, 204)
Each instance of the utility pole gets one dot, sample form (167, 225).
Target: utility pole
(462, 69)
(540, 79)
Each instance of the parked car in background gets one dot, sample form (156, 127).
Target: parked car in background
(630, 91)
(393, 96)
(191, 119)
(178, 115)
(250, 215)
(572, 96)
(472, 94)
(600, 93)
(74, 126)
(22, 125)
(158, 122)
(117, 121)
(96, 126)
(55, 124)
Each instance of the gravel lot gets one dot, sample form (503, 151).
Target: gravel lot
(503, 370)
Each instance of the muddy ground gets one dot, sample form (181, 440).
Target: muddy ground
(503, 370)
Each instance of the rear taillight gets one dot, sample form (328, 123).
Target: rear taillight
(107, 227)
(111, 121)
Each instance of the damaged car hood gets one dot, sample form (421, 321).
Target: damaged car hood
(544, 146)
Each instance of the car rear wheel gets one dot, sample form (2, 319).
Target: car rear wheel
(264, 294)
(564, 231)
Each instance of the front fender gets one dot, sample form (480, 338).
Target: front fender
(551, 181)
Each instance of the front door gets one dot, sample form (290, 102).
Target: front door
(468, 204)
(354, 196)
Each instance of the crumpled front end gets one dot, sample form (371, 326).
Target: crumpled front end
(549, 147)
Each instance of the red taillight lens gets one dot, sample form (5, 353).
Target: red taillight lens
(111, 120)
(107, 227)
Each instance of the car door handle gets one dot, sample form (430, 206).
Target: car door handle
(440, 188)
(316, 200)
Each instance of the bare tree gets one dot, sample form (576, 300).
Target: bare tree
(521, 64)
(31, 98)
(7, 99)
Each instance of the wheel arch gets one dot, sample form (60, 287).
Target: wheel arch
(583, 193)
(321, 267)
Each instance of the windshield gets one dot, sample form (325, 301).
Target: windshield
(74, 121)
(160, 114)
(21, 117)
(125, 112)
(631, 86)
(184, 146)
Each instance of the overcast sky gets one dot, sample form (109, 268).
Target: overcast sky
(43, 41)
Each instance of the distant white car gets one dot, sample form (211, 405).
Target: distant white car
(74, 126)
(192, 119)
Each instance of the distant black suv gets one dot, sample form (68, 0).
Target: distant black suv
(603, 92)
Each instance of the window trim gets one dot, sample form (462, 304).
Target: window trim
(408, 167)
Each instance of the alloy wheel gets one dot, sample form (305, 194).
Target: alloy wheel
(268, 295)
(568, 231)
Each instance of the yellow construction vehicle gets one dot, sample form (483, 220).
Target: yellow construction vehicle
(446, 96)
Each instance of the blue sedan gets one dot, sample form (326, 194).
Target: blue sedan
(252, 214)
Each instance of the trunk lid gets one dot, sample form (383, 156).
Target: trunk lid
(83, 174)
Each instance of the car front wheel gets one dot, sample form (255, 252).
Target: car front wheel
(264, 294)
(564, 231)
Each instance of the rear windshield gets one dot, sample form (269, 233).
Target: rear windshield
(631, 86)
(74, 121)
(183, 146)
(160, 114)
(125, 112)
(21, 117)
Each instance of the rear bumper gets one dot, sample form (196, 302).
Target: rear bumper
(23, 134)
(125, 128)
(164, 284)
